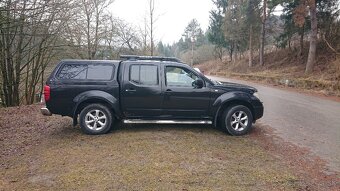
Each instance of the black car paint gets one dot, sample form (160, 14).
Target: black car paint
(66, 95)
(139, 101)
(129, 100)
(183, 102)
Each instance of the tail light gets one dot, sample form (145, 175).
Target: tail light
(47, 93)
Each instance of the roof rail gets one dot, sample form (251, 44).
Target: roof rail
(155, 58)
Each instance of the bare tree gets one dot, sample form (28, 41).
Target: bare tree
(148, 30)
(250, 63)
(263, 31)
(127, 36)
(28, 34)
(300, 20)
(87, 28)
(151, 27)
(120, 37)
(313, 37)
(144, 34)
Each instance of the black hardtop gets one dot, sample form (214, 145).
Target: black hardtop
(80, 61)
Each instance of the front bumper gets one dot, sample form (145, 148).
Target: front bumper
(258, 112)
(45, 111)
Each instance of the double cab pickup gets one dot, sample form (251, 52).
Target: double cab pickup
(139, 89)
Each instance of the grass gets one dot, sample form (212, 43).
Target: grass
(147, 158)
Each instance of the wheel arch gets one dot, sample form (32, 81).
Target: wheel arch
(91, 97)
(226, 104)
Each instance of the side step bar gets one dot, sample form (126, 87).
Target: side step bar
(139, 121)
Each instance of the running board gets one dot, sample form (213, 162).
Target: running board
(139, 121)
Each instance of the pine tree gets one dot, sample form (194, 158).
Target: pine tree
(215, 32)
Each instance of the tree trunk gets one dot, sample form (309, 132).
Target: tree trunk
(19, 58)
(263, 32)
(231, 51)
(219, 52)
(89, 55)
(96, 37)
(42, 84)
(251, 46)
(301, 40)
(152, 5)
(313, 38)
(9, 70)
(145, 36)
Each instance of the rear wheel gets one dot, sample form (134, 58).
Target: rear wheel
(237, 120)
(95, 119)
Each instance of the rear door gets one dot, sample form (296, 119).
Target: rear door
(141, 90)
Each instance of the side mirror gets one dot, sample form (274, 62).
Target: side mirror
(198, 84)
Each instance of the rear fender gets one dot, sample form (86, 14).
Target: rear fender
(94, 96)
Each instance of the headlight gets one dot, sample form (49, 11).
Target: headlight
(256, 94)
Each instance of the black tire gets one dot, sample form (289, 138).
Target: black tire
(100, 115)
(232, 122)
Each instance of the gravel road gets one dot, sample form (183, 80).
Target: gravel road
(304, 120)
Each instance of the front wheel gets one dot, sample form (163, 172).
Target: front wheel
(237, 120)
(95, 119)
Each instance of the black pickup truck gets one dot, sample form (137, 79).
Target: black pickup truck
(140, 89)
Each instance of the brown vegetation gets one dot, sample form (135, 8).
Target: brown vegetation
(286, 67)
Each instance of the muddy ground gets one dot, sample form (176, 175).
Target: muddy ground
(48, 153)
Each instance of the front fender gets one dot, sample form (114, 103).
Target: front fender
(96, 95)
(237, 95)
(229, 97)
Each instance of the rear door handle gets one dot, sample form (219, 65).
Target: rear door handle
(168, 90)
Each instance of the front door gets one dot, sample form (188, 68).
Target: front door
(141, 90)
(181, 99)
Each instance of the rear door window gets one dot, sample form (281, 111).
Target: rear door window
(144, 74)
(134, 74)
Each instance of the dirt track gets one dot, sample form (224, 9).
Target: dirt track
(309, 121)
(47, 153)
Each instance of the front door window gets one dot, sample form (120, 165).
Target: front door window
(176, 76)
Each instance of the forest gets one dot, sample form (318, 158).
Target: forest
(36, 34)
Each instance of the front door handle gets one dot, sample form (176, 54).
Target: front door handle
(130, 90)
(168, 90)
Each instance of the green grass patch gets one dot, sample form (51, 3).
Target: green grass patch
(152, 158)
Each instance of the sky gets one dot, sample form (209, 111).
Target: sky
(173, 15)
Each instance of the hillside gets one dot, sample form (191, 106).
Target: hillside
(284, 67)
